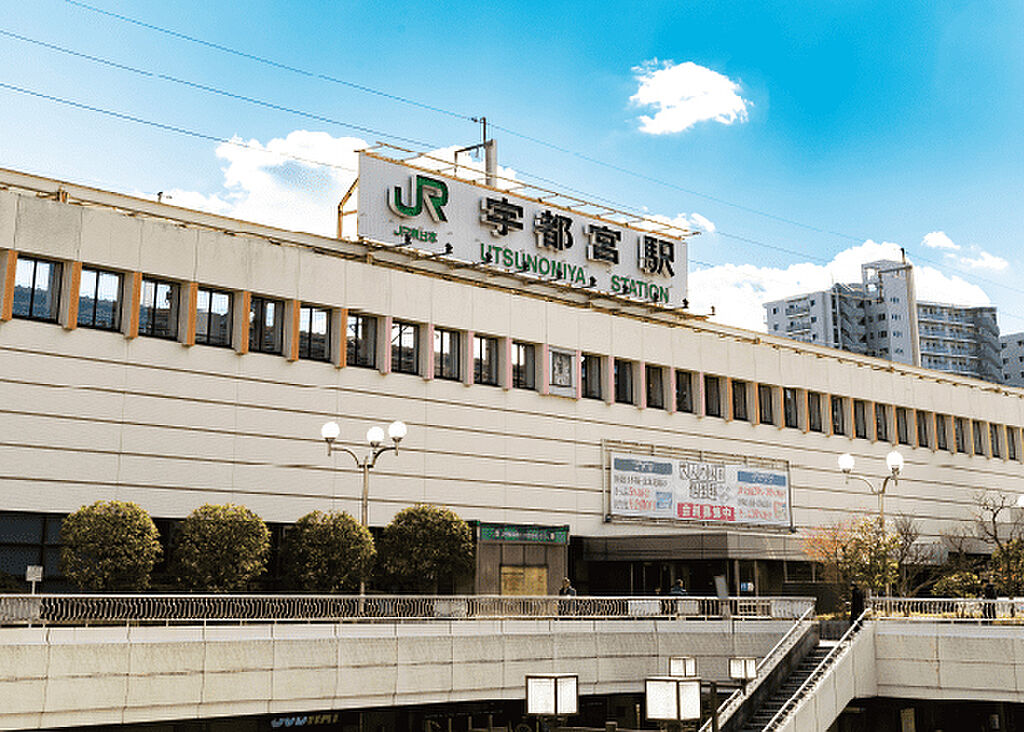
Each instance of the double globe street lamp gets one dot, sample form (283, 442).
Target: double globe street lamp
(375, 438)
(894, 461)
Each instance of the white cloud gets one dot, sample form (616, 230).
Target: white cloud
(939, 240)
(693, 221)
(738, 292)
(685, 94)
(984, 260)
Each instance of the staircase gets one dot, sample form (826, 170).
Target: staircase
(774, 703)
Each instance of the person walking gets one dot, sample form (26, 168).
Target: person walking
(989, 593)
(678, 589)
(856, 602)
(566, 606)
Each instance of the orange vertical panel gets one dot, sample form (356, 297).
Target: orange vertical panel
(71, 318)
(342, 330)
(7, 310)
(190, 324)
(135, 303)
(243, 319)
(293, 342)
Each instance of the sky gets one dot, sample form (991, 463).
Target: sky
(801, 138)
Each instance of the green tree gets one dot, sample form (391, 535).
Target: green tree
(109, 545)
(1008, 568)
(958, 584)
(424, 547)
(328, 552)
(865, 552)
(221, 548)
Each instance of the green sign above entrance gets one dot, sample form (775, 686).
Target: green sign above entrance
(524, 533)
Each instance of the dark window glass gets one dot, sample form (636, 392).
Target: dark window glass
(922, 429)
(765, 404)
(524, 366)
(739, 400)
(99, 299)
(994, 441)
(485, 360)
(314, 333)
(814, 412)
(213, 317)
(960, 433)
(791, 407)
(941, 425)
(655, 387)
(860, 419)
(712, 396)
(446, 354)
(882, 422)
(36, 289)
(591, 376)
(361, 341)
(979, 438)
(1011, 443)
(405, 352)
(902, 426)
(838, 416)
(684, 391)
(266, 321)
(158, 310)
(623, 381)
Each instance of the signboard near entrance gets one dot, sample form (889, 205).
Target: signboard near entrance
(649, 487)
(400, 203)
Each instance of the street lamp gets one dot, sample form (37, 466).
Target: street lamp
(374, 437)
(894, 461)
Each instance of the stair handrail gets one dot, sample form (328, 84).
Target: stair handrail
(728, 707)
(793, 703)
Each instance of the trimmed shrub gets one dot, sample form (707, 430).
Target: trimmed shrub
(328, 552)
(221, 549)
(423, 547)
(110, 545)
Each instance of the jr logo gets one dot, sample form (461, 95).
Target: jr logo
(429, 192)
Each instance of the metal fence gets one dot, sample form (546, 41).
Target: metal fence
(186, 608)
(944, 609)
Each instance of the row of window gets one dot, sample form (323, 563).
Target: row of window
(100, 305)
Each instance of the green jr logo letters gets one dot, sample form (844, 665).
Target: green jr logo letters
(431, 192)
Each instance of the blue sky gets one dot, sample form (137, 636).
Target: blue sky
(893, 124)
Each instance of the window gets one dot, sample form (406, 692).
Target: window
(524, 366)
(882, 422)
(739, 400)
(791, 407)
(960, 434)
(485, 360)
(405, 352)
(712, 396)
(36, 289)
(591, 375)
(655, 387)
(902, 426)
(838, 416)
(266, 320)
(765, 404)
(923, 436)
(979, 438)
(941, 441)
(993, 438)
(99, 299)
(213, 317)
(860, 419)
(361, 341)
(1011, 443)
(447, 359)
(814, 412)
(562, 376)
(314, 333)
(684, 391)
(158, 310)
(623, 381)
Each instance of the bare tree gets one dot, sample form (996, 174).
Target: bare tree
(916, 561)
(997, 518)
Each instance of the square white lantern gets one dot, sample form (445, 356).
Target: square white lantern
(672, 698)
(743, 669)
(685, 666)
(552, 695)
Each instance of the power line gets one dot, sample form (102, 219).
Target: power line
(267, 61)
(169, 128)
(211, 89)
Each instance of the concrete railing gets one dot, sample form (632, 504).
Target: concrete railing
(178, 608)
(945, 609)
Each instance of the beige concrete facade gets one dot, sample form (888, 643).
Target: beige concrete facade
(91, 415)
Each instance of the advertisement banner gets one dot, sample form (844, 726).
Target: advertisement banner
(649, 487)
(401, 203)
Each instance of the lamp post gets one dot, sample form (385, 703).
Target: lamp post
(375, 438)
(893, 460)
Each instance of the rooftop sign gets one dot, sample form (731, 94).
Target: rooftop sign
(610, 251)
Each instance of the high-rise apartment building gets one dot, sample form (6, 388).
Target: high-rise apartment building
(880, 316)
(1011, 348)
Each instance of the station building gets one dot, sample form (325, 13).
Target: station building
(175, 358)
